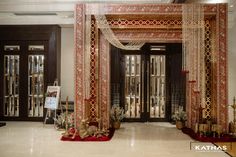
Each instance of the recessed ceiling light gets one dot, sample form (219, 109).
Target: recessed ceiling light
(231, 6)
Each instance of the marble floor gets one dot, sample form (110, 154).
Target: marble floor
(26, 139)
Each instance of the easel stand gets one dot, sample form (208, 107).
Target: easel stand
(48, 115)
(52, 105)
(50, 111)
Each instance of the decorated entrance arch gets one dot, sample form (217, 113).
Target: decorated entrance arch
(149, 23)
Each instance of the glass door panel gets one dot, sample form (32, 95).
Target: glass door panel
(132, 86)
(11, 85)
(35, 85)
(157, 86)
(146, 81)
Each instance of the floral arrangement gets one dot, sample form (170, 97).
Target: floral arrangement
(117, 113)
(61, 121)
(180, 115)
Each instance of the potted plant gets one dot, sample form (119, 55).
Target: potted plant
(180, 117)
(117, 114)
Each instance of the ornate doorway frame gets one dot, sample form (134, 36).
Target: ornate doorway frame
(157, 29)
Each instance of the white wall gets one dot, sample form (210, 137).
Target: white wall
(231, 67)
(67, 63)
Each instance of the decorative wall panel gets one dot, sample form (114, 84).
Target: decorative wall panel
(156, 29)
(93, 73)
(149, 35)
(208, 71)
(222, 72)
(147, 23)
(79, 63)
(142, 9)
(104, 84)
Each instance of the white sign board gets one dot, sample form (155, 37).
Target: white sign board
(52, 97)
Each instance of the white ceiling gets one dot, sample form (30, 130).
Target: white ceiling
(61, 11)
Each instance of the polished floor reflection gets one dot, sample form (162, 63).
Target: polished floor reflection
(26, 139)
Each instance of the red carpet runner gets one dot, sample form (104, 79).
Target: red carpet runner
(91, 138)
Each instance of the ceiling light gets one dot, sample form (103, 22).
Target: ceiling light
(158, 47)
(217, 1)
(35, 14)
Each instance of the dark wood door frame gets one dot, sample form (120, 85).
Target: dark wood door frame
(117, 75)
(24, 35)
